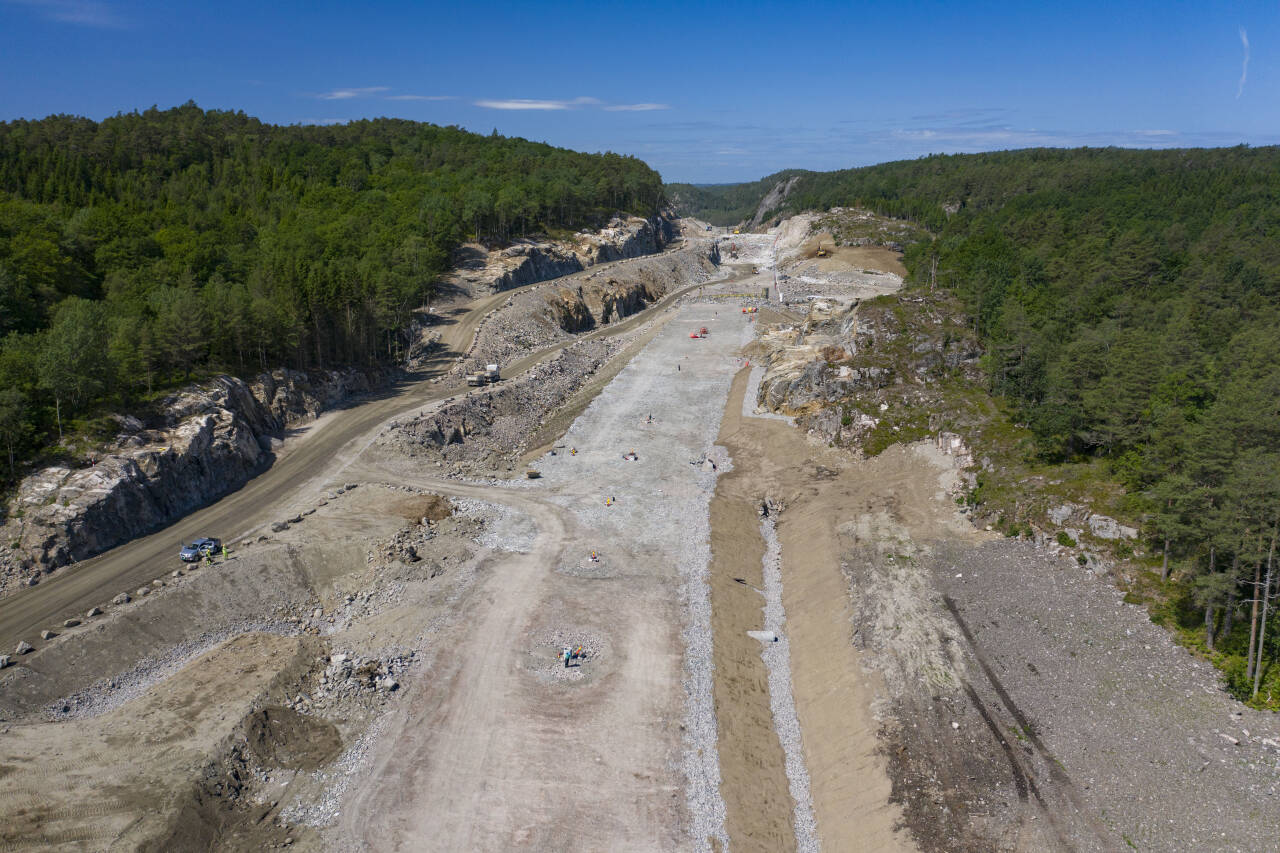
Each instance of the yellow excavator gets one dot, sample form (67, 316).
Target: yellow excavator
(822, 253)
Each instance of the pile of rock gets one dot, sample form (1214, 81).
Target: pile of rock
(348, 675)
(481, 429)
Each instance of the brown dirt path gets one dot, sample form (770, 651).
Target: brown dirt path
(833, 694)
(753, 780)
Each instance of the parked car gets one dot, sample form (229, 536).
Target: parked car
(198, 549)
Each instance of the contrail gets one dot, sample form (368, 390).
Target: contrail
(1244, 69)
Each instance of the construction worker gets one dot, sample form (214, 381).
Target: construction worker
(224, 552)
(565, 653)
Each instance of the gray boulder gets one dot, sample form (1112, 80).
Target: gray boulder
(1105, 527)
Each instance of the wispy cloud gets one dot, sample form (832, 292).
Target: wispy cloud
(347, 94)
(84, 13)
(1244, 68)
(535, 104)
(635, 108)
(421, 97)
(548, 104)
(323, 121)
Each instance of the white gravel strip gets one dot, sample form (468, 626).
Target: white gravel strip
(777, 660)
(701, 756)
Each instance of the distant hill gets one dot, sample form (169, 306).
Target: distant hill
(724, 204)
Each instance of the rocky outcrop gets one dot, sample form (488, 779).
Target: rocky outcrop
(203, 442)
(772, 201)
(528, 261)
(841, 369)
(546, 315)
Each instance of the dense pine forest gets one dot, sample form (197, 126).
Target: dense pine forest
(139, 250)
(1129, 302)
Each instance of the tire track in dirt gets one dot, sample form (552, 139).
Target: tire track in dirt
(1061, 784)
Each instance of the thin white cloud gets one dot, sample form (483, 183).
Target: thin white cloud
(1244, 68)
(84, 13)
(347, 94)
(421, 97)
(635, 108)
(323, 121)
(547, 104)
(523, 104)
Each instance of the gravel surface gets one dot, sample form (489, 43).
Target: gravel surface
(777, 659)
(1141, 725)
(111, 693)
(661, 502)
(505, 528)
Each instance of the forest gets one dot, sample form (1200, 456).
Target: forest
(1129, 304)
(139, 251)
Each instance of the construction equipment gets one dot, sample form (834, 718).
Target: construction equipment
(703, 331)
(822, 253)
(489, 375)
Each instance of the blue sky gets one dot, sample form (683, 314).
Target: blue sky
(701, 91)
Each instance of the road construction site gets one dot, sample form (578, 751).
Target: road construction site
(386, 671)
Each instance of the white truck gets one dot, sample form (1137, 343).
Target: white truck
(488, 376)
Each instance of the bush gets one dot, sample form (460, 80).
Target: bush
(1065, 540)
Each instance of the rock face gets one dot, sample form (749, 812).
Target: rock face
(528, 261)
(205, 441)
(833, 371)
(773, 200)
(547, 315)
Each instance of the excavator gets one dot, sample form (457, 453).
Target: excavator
(822, 253)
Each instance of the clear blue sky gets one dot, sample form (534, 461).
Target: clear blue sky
(701, 91)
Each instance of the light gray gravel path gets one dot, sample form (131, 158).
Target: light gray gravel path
(777, 660)
(659, 504)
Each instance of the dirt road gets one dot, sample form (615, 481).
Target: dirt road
(310, 456)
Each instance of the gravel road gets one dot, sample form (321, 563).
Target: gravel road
(496, 747)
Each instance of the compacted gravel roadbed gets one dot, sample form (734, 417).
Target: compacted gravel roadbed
(499, 745)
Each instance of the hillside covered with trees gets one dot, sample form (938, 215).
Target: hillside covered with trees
(724, 204)
(1129, 304)
(141, 249)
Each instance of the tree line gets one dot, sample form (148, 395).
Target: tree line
(1129, 303)
(143, 249)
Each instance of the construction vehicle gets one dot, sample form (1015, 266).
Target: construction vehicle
(822, 253)
(737, 231)
(489, 375)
